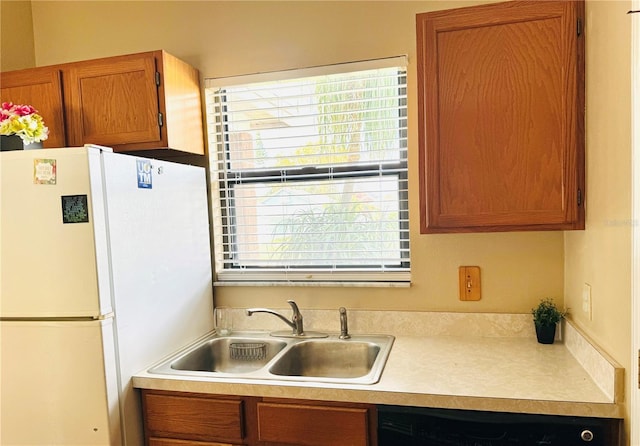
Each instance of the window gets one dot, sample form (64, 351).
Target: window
(309, 176)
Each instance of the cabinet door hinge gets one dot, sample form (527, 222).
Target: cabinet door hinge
(579, 197)
(160, 119)
(579, 26)
(157, 78)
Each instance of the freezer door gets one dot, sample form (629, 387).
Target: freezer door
(53, 252)
(58, 384)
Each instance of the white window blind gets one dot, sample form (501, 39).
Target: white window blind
(309, 177)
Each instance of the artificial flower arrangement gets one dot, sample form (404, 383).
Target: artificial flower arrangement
(24, 121)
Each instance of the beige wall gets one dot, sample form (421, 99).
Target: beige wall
(601, 255)
(231, 38)
(16, 35)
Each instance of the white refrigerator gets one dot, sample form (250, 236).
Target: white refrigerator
(105, 268)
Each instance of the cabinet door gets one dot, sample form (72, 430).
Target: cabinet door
(42, 89)
(192, 417)
(173, 442)
(501, 111)
(112, 101)
(310, 425)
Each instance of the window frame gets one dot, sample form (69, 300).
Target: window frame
(223, 196)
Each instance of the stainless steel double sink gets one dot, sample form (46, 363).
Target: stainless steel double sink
(257, 355)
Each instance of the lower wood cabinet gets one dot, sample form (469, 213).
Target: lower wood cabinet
(177, 416)
(310, 424)
(193, 419)
(190, 419)
(170, 442)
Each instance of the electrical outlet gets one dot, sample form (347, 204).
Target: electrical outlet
(586, 300)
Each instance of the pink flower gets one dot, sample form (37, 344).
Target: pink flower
(24, 110)
(5, 110)
(9, 108)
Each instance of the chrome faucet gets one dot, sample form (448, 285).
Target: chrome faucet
(296, 319)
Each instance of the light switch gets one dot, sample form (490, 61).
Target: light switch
(469, 281)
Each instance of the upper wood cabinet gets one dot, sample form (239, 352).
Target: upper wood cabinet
(145, 102)
(42, 89)
(501, 117)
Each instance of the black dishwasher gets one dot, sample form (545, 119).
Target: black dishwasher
(413, 426)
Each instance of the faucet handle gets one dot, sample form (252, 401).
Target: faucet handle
(344, 327)
(294, 307)
(296, 319)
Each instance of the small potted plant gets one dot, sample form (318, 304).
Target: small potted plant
(20, 127)
(546, 317)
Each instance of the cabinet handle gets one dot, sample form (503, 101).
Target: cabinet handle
(579, 27)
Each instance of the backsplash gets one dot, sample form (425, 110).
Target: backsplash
(606, 372)
(398, 323)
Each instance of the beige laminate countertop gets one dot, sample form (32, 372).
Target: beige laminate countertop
(510, 374)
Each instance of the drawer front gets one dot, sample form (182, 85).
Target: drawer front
(194, 418)
(304, 425)
(171, 442)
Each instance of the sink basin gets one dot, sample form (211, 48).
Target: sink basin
(330, 359)
(251, 355)
(229, 355)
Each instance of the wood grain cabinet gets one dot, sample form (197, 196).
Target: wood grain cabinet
(42, 89)
(501, 117)
(146, 102)
(175, 418)
(312, 424)
(208, 420)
